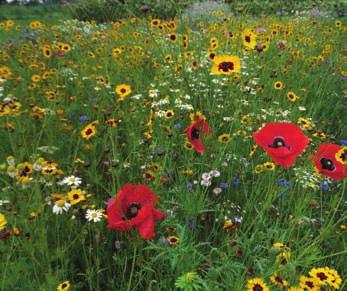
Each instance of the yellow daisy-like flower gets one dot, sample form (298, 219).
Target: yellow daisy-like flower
(224, 138)
(277, 280)
(322, 275)
(283, 258)
(75, 196)
(173, 240)
(340, 156)
(64, 286)
(309, 283)
(253, 150)
(269, 166)
(292, 97)
(169, 114)
(249, 38)
(3, 221)
(225, 65)
(295, 288)
(335, 279)
(278, 85)
(88, 131)
(257, 284)
(123, 90)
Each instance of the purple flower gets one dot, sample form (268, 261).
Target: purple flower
(84, 118)
(343, 142)
(235, 181)
(325, 186)
(177, 126)
(224, 185)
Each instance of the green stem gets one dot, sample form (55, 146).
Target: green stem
(132, 270)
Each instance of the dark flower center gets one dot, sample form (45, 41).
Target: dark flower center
(277, 143)
(133, 210)
(75, 196)
(309, 284)
(279, 280)
(226, 66)
(327, 164)
(257, 287)
(64, 286)
(322, 276)
(248, 38)
(89, 131)
(195, 133)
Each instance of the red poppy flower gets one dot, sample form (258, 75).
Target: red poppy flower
(283, 141)
(194, 131)
(134, 207)
(325, 161)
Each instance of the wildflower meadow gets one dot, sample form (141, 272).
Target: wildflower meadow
(200, 151)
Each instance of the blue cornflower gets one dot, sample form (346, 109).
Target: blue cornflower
(235, 181)
(224, 185)
(189, 186)
(325, 186)
(84, 118)
(343, 142)
(177, 126)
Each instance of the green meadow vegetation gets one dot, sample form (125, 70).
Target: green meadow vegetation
(204, 150)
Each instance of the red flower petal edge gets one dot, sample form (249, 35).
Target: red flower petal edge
(134, 208)
(326, 163)
(283, 141)
(193, 132)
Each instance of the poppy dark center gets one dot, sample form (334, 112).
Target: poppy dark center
(327, 164)
(133, 210)
(258, 287)
(248, 38)
(322, 276)
(195, 133)
(226, 66)
(277, 143)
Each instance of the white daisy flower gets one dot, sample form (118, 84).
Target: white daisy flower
(93, 215)
(60, 206)
(72, 181)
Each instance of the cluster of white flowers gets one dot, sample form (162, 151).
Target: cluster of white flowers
(184, 106)
(206, 178)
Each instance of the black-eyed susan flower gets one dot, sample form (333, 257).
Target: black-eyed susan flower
(269, 166)
(278, 85)
(292, 97)
(335, 279)
(253, 150)
(341, 155)
(224, 138)
(64, 286)
(75, 196)
(123, 90)
(283, 258)
(225, 65)
(257, 284)
(249, 38)
(309, 283)
(169, 113)
(173, 240)
(278, 280)
(88, 131)
(322, 275)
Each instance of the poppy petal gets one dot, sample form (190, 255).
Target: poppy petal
(146, 228)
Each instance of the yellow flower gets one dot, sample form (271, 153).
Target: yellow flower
(224, 138)
(173, 240)
(340, 156)
(225, 65)
(322, 275)
(257, 284)
(123, 90)
(64, 286)
(249, 38)
(292, 97)
(269, 166)
(277, 280)
(309, 283)
(88, 131)
(3, 221)
(278, 85)
(75, 196)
